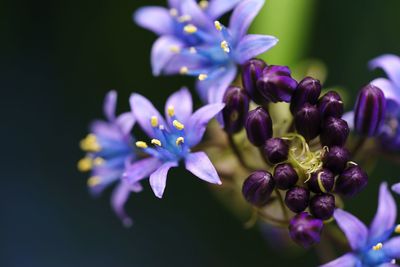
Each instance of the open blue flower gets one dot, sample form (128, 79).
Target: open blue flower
(172, 139)
(109, 148)
(373, 246)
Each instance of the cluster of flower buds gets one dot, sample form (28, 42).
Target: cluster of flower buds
(311, 163)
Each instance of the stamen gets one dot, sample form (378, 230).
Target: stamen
(184, 18)
(218, 25)
(173, 12)
(156, 142)
(85, 164)
(90, 144)
(397, 229)
(377, 246)
(225, 46)
(154, 121)
(202, 77)
(184, 70)
(393, 261)
(320, 184)
(190, 29)
(178, 125)
(141, 144)
(175, 49)
(192, 50)
(93, 181)
(98, 161)
(203, 4)
(171, 111)
(179, 141)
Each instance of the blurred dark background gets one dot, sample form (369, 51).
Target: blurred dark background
(58, 59)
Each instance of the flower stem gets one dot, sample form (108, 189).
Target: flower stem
(237, 153)
(357, 148)
(282, 203)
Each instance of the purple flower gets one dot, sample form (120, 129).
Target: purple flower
(373, 246)
(109, 148)
(172, 139)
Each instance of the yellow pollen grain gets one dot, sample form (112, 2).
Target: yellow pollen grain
(184, 70)
(190, 28)
(98, 161)
(179, 141)
(397, 229)
(175, 49)
(173, 12)
(85, 164)
(178, 125)
(203, 4)
(90, 144)
(154, 121)
(202, 77)
(93, 181)
(377, 246)
(141, 144)
(171, 111)
(218, 25)
(225, 46)
(185, 18)
(192, 50)
(156, 142)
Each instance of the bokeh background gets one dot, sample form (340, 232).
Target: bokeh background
(59, 58)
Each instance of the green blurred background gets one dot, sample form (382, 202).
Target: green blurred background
(59, 58)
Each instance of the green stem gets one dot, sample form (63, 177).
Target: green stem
(237, 153)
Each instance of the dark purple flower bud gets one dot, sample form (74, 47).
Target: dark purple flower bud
(276, 150)
(297, 199)
(351, 181)
(251, 72)
(285, 176)
(258, 187)
(369, 110)
(336, 159)
(331, 105)
(322, 206)
(276, 84)
(258, 126)
(305, 230)
(236, 109)
(321, 181)
(334, 132)
(308, 121)
(307, 91)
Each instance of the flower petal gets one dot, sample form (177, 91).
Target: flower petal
(193, 62)
(140, 170)
(200, 165)
(355, 231)
(143, 110)
(396, 188)
(347, 260)
(384, 220)
(118, 199)
(154, 18)
(182, 103)
(217, 8)
(388, 89)
(174, 3)
(162, 54)
(197, 123)
(110, 104)
(125, 122)
(218, 83)
(105, 129)
(198, 17)
(349, 118)
(390, 64)
(253, 45)
(391, 248)
(243, 16)
(158, 178)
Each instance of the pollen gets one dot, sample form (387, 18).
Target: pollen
(190, 28)
(85, 164)
(184, 18)
(90, 144)
(141, 144)
(175, 49)
(397, 229)
(171, 111)
(184, 70)
(179, 141)
(218, 25)
(156, 142)
(173, 12)
(93, 181)
(154, 121)
(202, 77)
(378, 246)
(225, 46)
(192, 50)
(203, 4)
(98, 161)
(178, 125)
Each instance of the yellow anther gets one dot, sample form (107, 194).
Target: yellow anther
(180, 140)
(203, 4)
(154, 121)
(225, 46)
(184, 70)
(185, 18)
(218, 25)
(156, 142)
(202, 77)
(377, 246)
(171, 111)
(85, 164)
(175, 49)
(141, 144)
(93, 181)
(90, 144)
(173, 12)
(190, 28)
(98, 161)
(397, 229)
(178, 125)
(192, 50)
